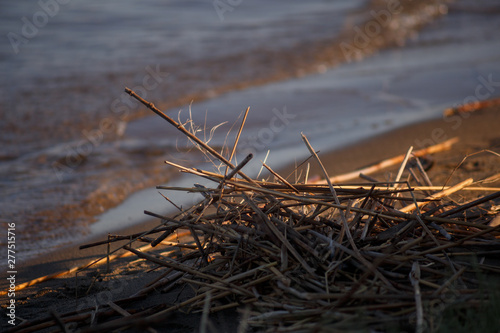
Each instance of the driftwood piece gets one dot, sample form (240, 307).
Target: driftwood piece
(471, 107)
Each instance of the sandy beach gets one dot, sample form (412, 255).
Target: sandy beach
(475, 155)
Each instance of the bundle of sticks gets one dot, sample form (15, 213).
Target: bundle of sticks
(296, 256)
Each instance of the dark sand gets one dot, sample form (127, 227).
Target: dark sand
(477, 131)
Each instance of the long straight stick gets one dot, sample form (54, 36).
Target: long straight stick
(182, 129)
(238, 135)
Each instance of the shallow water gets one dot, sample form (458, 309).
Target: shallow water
(74, 145)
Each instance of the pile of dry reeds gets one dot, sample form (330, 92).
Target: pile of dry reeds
(301, 257)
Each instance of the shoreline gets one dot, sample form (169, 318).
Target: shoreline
(475, 130)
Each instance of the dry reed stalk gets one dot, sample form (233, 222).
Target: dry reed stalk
(281, 179)
(438, 195)
(403, 164)
(237, 139)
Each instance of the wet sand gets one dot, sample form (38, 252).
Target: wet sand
(476, 131)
